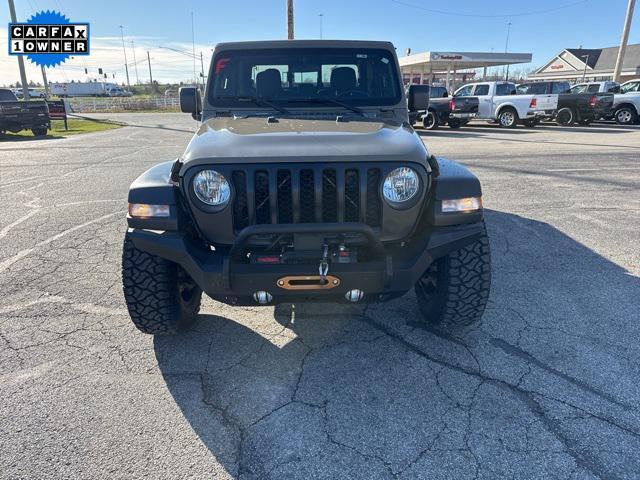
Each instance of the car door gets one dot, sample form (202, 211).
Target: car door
(485, 107)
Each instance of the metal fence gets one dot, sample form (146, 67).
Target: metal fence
(116, 104)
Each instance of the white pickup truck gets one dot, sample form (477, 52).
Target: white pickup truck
(499, 102)
(626, 104)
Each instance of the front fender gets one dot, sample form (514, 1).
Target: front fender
(154, 187)
(453, 181)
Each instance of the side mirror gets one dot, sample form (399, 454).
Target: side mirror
(418, 99)
(191, 102)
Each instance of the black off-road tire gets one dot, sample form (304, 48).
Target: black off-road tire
(565, 117)
(39, 131)
(430, 121)
(160, 296)
(454, 290)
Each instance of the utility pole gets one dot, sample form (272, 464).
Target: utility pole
(46, 83)
(193, 46)
(135, 62)
(149, 61)
(290, 19)
(321, 18)
(586, 64)
(623, 41)
(23, 73)
(506, 48)
(124, 50)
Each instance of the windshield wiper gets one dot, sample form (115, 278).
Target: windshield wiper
(261, 102)
(332, 101)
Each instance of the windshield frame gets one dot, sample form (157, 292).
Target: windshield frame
(219, 102)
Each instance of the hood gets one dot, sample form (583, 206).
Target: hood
(256, 140)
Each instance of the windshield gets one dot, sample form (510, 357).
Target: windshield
(630, 87)
(296, 76)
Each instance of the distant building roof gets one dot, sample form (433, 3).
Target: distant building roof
(592, 54)
(570, 63)
(607, 58)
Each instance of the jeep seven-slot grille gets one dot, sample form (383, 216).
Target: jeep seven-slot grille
(306, 195)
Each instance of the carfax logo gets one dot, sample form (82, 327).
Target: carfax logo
(48, 38)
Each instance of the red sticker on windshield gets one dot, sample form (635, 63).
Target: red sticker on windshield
(221, 63)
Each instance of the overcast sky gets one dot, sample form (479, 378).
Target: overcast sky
(541, 27)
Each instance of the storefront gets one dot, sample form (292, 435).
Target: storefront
(594, 64)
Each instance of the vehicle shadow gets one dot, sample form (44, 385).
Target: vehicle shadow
(330, 391)
(9, 137)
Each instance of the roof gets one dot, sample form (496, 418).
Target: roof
(592, 55)
(607, 59)
(305, 44)
(441, 61)
(598, 59)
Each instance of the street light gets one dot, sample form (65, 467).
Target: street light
(506, 47)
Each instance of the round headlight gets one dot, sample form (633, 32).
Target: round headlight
(211, 188)
(401, 185)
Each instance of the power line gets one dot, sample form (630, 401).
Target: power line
(474, 15)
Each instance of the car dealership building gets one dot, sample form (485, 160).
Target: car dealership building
(592, 64)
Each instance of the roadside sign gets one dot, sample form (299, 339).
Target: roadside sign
(58, 111)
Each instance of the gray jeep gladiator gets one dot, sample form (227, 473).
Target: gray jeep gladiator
(304, 182)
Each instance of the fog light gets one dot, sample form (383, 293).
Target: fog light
(262, 297)
(144, 211)
(354, 295)
(462, 205)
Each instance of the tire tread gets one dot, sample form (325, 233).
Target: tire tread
(150, 286)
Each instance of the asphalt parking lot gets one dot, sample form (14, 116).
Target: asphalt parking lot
(547, 386)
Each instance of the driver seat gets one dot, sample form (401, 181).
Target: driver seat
(269, 83)
(343, 79)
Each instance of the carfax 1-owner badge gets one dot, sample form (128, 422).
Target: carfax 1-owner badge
(49, 38)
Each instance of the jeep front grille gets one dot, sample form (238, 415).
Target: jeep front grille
(306, 195)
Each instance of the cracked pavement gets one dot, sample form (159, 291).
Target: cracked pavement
(546, 386)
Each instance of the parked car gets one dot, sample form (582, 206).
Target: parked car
(296, 191)
(119, 92)
(18, 115)
(596, 87)
(33, 93)
(498, 102)
(18, 93)
(170, 92)
(430, 112)
(582, 108)
(626, 104)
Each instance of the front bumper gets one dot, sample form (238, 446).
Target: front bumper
(391, 272)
